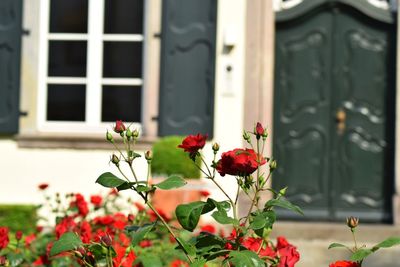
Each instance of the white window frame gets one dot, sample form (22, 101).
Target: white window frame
(94, 65)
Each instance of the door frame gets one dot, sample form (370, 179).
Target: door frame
(260, 69)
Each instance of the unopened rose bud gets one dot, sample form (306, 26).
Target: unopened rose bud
(78, 254)
(106, 240)
(115, 160)
(258, 130)
(3, 260)
(352, 222)
(246, 136)
(109, 137)
(128, 133)
(135, 134)
(18, 235)
(148, 155)
(215, 147)
(282, 192)
(131, 217)
(119, 127)
(272, 165)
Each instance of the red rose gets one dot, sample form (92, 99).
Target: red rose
(288, 256)
(281, 242)
(344, 264)
(4, 240)
(18, 235)
(259, 130)
(208, 228)
(193, 143)
(81, 204)
(255, 244)
(29, 239)
(43, 186)
(96, 200)
(239, 162)
(119, 127)
(179, 263)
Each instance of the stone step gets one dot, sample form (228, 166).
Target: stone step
(313, 239)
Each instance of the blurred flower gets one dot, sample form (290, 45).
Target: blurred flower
(43, 186)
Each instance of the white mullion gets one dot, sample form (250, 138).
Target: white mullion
(122, 81)
(66, 80)
(43, 62)
(123, 37)
(67, 36)
(94, 61)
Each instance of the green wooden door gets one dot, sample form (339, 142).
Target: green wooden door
(10, 46)
(334, 109)
(188, 41)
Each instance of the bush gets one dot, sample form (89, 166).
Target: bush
(18, 217)
(167, 159)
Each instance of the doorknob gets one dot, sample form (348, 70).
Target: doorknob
(340, 120)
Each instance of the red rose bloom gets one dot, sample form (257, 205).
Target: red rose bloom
(96, 200)
(288, 256)
(81, 204)
(4, 240)
(18, 235)
(239, 162)
(29, 239)
(179, 263)
(43, 186)
(193, 143)
(344, 264)
(119, 127)
(254, 244)
(281, 242)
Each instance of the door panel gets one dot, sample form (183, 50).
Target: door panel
(334, 108)
(301, 107)
(187, 67)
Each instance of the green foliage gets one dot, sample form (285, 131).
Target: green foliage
(68, 241)
(168, 159)
(174, 181)
(15, 217)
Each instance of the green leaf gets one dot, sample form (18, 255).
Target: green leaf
(189, 248)
(283, 203)
(360, 254)
(387, 243)
(149, 260)
(174, 181)
(143, 188)
(337, 245)
(140, 234)
(188, 215)
(15, 259)
(109, 180)
(263, 220)
(198, 263)
(245, 258)
(220, 205)
(68, 241)
(223, 218)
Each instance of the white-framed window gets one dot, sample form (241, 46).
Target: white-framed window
(91, 64)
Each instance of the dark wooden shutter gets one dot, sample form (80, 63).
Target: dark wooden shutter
(10, 46)
(187, 67)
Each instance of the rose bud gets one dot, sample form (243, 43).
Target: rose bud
(3, 260)
(259, 130)
(115, 160)
(148, 155)
(119, 127)
(43, 186)
(246, 136)
(106, 240)
(131, 217)
(18, 235)
(135, 134)
(352, 222)
(215, 147)
(109, 137)
(272, 165)
(129, 133)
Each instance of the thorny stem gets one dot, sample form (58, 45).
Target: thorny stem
(354, 238)
(169, 230)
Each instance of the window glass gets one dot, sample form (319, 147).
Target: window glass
(121, 103)
(67, 58)
(68, 16)
(123, 16)
(66, 102)
(122, 59)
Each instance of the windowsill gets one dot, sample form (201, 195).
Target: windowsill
(76, 141)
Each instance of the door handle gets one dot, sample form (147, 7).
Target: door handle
(340, 120)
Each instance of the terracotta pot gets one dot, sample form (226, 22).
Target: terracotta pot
(167, 200)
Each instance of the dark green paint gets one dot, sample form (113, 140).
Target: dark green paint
(335, 56)
(187, 67)
(10, 54)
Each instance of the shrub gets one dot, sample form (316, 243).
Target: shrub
(167, 159)
(15, 217)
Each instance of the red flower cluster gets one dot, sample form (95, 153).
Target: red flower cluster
(193, 143)
(239, 162)
(81, 204)
(344, 264)
(4, 240)
(96, 200)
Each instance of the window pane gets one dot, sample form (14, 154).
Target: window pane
(122, 59)
(69, 16)
(66, 102)
(121, 103)
(67, 58)
(123, 16)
